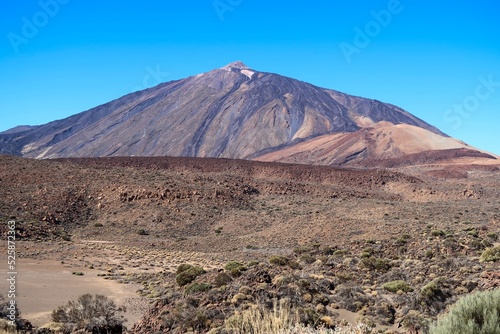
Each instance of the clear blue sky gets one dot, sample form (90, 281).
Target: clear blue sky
(432, 58)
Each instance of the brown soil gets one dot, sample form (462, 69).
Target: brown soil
(134, 220)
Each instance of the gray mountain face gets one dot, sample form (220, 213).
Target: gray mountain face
(231, 112)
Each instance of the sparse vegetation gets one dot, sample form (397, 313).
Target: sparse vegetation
(313, 243)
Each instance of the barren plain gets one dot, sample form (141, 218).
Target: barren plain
(330, 240)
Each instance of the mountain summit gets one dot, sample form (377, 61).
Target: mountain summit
(236, 112)
(239, 65)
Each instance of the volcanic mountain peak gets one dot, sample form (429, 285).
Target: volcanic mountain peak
(236, 65)
(234, 112)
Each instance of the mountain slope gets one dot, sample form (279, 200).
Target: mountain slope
(231, 112)
(372, 145)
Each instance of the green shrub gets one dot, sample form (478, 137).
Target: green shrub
(232, 265)
(307, 258)
(142, 232)
(252, 263)
(235, 268)
(90, 313)
(477, 313)
(222, 279)
(279, 260)
(493, 236)
(375, 263)
(183, 267)
(396, 286)
(430, 290)
(339, 253)
(189, 275)
(437, 233)
(198, 287)
(491, 255)
(415, 322)
(294, 265)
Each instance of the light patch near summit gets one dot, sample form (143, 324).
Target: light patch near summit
(248, 73)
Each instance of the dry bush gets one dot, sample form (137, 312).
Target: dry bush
(90, 313)
(281, 320)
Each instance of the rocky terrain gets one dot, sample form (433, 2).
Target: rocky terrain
(206, 239)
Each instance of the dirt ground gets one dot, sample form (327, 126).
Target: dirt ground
(43, 285)
(128, 223)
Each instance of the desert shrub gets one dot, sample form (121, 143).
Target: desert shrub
(415, 322)
(252, 263)
(279, 260)
(142, 232)
(493, 236)
(307, 258)
(352, 298)
(437, 233)
(434, 296)
(260, 320)
(222, 279)
(474, 232)
(198, 287)
(303, 249)
(476, 244)
(282, 319)
(187, 276)
(235, 268)
(294, 265)
(396, 286)
(339, 253)
(381, 312)
(430, 290)
(477, 313)
(183, 267)
(185, 316)
(376, 263)
(93, 313)
(491, 255)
